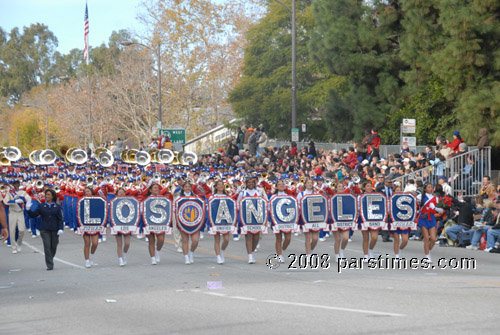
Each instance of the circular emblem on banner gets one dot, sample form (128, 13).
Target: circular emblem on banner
(190, 214)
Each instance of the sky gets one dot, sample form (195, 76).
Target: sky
(65, 18)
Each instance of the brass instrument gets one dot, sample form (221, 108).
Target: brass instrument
(189, 180)
(302, 180)
(104, 157)
(175, 160)
(48, 157)
(131, 156)
(188, 157)
(90, 180)
(163, 156)
(76, 156)
(12, 153)
(227, 186)
(163, 181)
(265, 175)
(156, 177)
(142, 158)
(4, 161)
(109, 180)
(204, 176)
(34, 157)
(287, 182)
(57, 188)
(356, 179)
(63, 150)
(39, 184)
(143, 178)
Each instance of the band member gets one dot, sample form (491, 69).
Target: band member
(311, 236)
(90, 242)
(370, 236)
(220, 191)
(281, 244)
(51, 226)
(341, 237)
(3, 222)
(122, 240)
(195, 238)
(427, 220)
(251, 240)
(16, 200)
(155, 240)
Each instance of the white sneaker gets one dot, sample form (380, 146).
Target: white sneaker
(87, 263)
(281, 259)
(296, 234)
(322, 239)
(157, 256)
(146, 239)
(366, 259)
(349, 240)
(471, 247)
(222, 256)
(153, 261)
(122, 262)
(429, 259)
(236, 238)
(186, 260)
(33, 236)
(251, 260)
(327, 235)
(219, 260)
(18, 249)
(124, 258)
(140, 236)
(14, 251)
(104, 238)
(487, 249)
(37, 232)
(337, 258)
(179, 249)
(201, 235)
(191, 257)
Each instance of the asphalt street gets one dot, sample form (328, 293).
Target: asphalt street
(236, 297)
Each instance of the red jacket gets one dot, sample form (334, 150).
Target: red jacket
(351, 160)
(454, 145)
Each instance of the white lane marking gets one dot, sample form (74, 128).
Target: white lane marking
(291, 303)
(55, 258)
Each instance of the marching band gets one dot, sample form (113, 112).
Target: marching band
(196, 196)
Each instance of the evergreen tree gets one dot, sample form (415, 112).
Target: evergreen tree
(360, 40)
(264, 92)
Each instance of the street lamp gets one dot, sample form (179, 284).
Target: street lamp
(158, 62)
(294, 61)
(46, 121)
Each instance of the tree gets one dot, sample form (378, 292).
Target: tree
(360, 40)
(201, 48)
(264, 93)
(26, 59)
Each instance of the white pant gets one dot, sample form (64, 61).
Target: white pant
(16, 219)
(177, 234)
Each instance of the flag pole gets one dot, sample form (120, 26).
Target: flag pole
(86, 58)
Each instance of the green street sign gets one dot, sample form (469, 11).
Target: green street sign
(175, 135)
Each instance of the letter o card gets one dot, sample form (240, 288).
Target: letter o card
(403, 209)
(314, 212)
(190, 214)
(125, 214)
(284, 210)
(92, 214)
(373, 208)
(157, 215)
(344, 209)
(253, 215)
(222, 216)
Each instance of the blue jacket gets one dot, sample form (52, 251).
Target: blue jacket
(52, 218)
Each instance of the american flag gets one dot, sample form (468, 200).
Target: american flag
(86, 35)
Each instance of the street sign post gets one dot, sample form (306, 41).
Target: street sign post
(410, 140)
(303, 127)
(295, 134)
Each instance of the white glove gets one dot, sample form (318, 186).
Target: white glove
(16, 197)
(103, 183)
(432, 206)
(439, 210)
(60, 232)
(19, 201)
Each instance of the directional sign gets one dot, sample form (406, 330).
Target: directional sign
(409, 126)
(175, 135)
